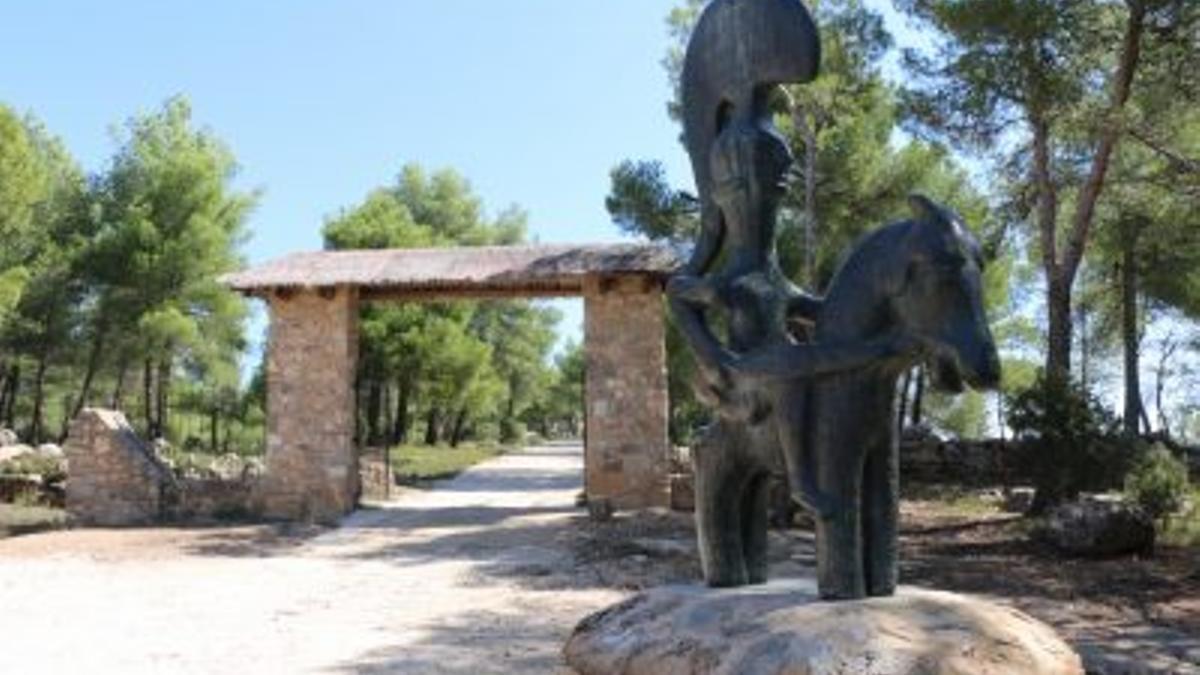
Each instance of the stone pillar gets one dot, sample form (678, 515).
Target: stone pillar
(627, 452)
(312, 465)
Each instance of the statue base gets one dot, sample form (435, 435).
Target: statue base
(783, 627)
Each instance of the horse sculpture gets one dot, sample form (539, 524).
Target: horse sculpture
(740, 50)
(918, 278)
(819, 410)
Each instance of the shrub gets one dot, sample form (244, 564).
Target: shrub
(1158, 483)
(1069, 441)
(50, 469)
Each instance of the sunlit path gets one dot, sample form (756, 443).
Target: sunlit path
(437, 581)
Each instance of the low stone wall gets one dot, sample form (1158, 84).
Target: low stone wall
(924, 459)
(198, 499)
(979, 463)
(114, 477)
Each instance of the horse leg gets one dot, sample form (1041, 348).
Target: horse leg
(792, 427)
(755, 516)
(718, 516)
(839, 534)
(881, 516)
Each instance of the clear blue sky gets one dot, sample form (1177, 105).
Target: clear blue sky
(534, 101)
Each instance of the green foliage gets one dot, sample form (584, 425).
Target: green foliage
(50, 469)
(23, 519)
(117, 273)
(25, 183)
(563, 407)
(465, 369)
(1158, 483)
(964, 415)
(1068, 440)
(1184, 529)
(1054, 92)
(642, 202)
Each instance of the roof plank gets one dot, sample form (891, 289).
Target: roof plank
(558, 269)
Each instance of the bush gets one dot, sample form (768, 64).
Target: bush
(1069, 440)
(1158, 483)
(50, 469)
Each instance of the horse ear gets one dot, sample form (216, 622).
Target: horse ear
(923, 208)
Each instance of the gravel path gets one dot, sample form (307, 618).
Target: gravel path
(442, 581)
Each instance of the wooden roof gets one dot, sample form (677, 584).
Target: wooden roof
(539, 269)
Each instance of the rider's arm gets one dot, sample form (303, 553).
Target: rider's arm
(790, 361)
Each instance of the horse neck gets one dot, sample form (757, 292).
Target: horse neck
(856, 304)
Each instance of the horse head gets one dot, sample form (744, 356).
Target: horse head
(940, 297)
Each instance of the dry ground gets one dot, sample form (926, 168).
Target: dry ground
(488, 574)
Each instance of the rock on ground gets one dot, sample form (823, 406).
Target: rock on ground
(8, 437)
(1099, 528)
(784, 628)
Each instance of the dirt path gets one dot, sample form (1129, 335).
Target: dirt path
(443, 581)
(489, 573)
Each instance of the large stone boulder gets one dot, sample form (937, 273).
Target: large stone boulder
(8, 437)
(784, 628)
(1098, 528)
(51, 451)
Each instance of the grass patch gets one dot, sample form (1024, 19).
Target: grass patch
(1184, 529)
(420, 464)
(16, 519)
(954, 500)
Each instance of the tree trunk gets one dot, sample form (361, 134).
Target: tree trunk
(1169, 347)
(214, 421)
(374, 403)
(162, 402)
(431, 426)
(39, 397)
(1061, 275)
(918, 404)
(1058, 346)
(460, 426)
(386, 429)
(902, 405)
(148, 398)
(14, 388)
(1058, 296)
(4, 382)
(118, 394)
(400, 430)
(1085, 349)
(1130, 336)
(85, 389)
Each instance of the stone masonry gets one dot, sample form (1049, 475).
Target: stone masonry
(627, 449)
(312, 468)
(115, 478)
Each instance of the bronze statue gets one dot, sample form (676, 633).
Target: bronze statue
(779, 401)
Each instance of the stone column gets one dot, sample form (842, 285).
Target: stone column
(627, 453)
(312, 465)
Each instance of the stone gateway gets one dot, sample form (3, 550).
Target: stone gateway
(314, 299)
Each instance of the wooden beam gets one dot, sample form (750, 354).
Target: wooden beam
(467, 293)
